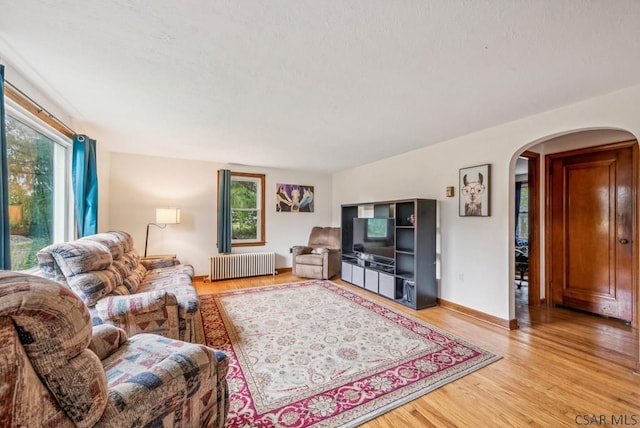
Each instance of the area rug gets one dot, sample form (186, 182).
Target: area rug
(316, 354)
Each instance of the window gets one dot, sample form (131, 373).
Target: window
(522, 228)
(247, 209)
(38, 160)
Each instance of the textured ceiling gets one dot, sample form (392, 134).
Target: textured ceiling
(308, 84)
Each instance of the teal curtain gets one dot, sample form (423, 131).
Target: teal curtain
(85, 185)
(5, 232)
(224, 211)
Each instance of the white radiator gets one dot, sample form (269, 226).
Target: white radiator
(226, 266)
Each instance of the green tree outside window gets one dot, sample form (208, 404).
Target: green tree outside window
(30, 157)
(247, 209)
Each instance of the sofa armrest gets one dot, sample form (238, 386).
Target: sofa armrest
(301, 249)
(147, 312)
(106, 340)
(135, 304)
(184, 380)
(159, 263)
(334, 254)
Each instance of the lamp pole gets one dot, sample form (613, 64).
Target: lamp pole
(146, 239)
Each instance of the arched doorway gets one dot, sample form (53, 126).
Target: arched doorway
(549, 148)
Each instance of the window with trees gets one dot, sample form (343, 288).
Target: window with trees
(38, 160)
(247, 209)
(522, 226)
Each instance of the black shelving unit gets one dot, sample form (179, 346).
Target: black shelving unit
(410, 277)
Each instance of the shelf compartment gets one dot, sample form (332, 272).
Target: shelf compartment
(406, 292)
(405, 240)
(404, 210)
(405, 263)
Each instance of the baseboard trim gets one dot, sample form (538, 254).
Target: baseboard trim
(283, 270)
(201, 278)
(500, 322)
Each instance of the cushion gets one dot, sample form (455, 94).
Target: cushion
(112, 242)
(124, 269)
(120, 290)
(106, 340)
(92, 286)
(31, 403)
(169, 369)
(325, 237)
(132, 282)
(310, 259)
(81, 256)
(125, 239)
(55, 330)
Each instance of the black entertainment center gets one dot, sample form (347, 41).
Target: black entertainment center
(392, 250)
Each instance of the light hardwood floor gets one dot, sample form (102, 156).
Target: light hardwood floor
(560, 368)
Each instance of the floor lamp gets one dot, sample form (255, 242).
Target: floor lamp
(164, 216)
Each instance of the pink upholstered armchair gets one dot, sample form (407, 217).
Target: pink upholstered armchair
(320, 258)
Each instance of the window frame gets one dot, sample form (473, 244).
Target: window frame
(521, 213)
(64, 216)
(260, 240)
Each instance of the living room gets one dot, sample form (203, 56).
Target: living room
(464, 126)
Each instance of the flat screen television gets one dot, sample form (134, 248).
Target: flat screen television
(374, 236)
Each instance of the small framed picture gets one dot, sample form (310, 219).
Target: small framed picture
(475, 191)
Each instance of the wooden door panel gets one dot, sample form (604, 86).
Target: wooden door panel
(591, 231)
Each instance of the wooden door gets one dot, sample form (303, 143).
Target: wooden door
(592, 230)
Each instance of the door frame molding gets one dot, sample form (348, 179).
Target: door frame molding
(635, 289)
(533, 182)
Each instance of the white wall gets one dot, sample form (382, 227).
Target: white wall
(12, 75)
(140, 184)
(104, 181)
(476, 253)
(15, 77)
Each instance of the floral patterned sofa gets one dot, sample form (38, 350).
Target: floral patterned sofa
(57, 370)
(120, 288)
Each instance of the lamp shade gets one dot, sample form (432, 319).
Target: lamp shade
(168, 215)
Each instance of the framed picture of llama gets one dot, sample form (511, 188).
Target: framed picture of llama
(295, 198)
(475, 191)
